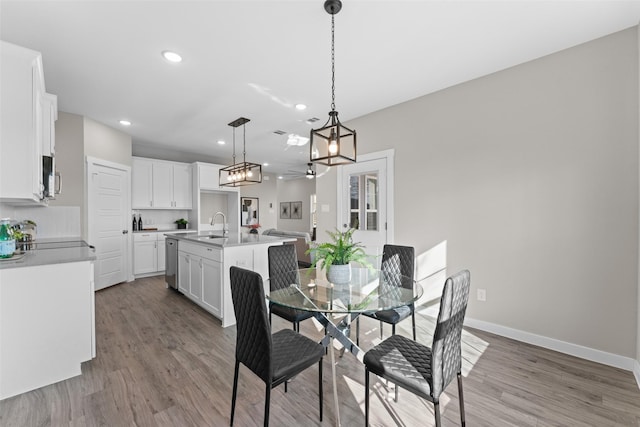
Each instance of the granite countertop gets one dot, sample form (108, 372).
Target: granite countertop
(51, 251)
(232, 239)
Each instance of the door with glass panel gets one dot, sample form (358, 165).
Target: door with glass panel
(363, 187)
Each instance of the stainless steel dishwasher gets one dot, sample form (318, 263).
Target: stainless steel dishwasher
(171, 269)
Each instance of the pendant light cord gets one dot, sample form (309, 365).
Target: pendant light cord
(333, 66)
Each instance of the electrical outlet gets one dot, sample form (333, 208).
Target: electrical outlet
(482, 294)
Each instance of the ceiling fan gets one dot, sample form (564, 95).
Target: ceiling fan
(309, 173)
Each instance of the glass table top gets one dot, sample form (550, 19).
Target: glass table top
(368, 290)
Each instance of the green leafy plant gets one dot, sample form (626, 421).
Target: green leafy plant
(340, 251)
(181, 221)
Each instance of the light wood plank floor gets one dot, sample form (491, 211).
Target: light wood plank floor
(162, 361)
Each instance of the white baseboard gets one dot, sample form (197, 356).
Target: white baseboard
(617, 361)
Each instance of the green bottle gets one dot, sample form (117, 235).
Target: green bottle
(7, 242)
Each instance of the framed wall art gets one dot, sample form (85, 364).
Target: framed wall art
(285, 210)
(249, 211)
(296, 210)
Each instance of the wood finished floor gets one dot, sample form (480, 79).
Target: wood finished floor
(162, 361)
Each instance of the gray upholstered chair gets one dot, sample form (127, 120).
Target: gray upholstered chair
(399, 260)
(274, 358)
(283, 271)
(426, 371)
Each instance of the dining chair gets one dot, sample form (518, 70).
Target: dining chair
(398, 260)
(274, 358)
(283, 271)
(426, 371)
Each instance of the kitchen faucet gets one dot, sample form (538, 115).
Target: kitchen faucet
(224, 222)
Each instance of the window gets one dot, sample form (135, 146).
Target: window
(363, 190)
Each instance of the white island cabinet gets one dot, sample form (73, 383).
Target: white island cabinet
(203, 268)
(47, 325)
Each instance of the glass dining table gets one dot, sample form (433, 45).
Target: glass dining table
(368, 290)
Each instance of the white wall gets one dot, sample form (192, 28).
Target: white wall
(530, 176)
(267, 194)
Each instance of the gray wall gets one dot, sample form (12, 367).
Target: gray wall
(106, 143)
(267, 194)
(530, 176)
(70, 159)
(296, 190)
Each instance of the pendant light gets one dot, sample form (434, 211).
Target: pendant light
(333, 144)
(244, 173)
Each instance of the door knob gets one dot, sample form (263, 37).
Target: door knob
(125, 231)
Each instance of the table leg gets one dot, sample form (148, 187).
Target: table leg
(335, 384)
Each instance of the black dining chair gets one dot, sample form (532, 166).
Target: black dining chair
(274, 358)
(397, 260)
(426, 371)
(283, 271)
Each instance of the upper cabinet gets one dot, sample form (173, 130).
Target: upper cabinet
(49, 107)
(160, 184)
(208, 177)
(27, 125)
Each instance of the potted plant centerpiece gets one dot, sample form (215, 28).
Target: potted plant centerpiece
(182, 223)
(337, 254)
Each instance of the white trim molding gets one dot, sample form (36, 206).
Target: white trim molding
(610, 359)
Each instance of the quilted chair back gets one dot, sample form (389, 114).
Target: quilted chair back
(253, 338)
(283, 266)
(399, 260)
(447, 350)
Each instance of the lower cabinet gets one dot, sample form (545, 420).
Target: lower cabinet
(203, 274)
(148, 253)
(200, 275)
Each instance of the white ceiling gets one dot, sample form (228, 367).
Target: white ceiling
(257, 59)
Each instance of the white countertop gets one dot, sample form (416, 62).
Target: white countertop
(51, 251)
(232, 239)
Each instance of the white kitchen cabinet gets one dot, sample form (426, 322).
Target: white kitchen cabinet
(47, 313)
(141, 183)
(22, 82)
(207, 178)
(184, 272)
(212, 286)
(159, 184)
(162, 253)
(49, 106)
(200, 275)
(148, 253)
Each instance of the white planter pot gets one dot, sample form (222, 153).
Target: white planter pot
(339, 273)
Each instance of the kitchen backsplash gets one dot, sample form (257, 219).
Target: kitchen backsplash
(162, 219)
(51, 221)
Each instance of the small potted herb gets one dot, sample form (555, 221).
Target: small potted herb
(182, 223)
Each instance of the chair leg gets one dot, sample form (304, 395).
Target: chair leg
(366, 396)
(461, 397)
(436, 412)
(413, 323)
(267, 401)
(393, 329)
(235, 392)
(381, 330)
(358, 331)
(320, 394)
(285, 386)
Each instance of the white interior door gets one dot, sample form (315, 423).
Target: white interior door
(365, 202)
(108, 224)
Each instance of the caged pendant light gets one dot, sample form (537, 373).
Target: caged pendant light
(333, 144)
(244, 173)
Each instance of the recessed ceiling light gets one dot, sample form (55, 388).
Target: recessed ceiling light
(280, 177)
(171, 56)
(301, 107)
(125, 122)
(221, 142)
(265, 164)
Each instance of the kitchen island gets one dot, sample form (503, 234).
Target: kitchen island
(203, 267)
(47, 324)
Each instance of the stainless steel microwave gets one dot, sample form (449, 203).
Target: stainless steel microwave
(49, 175)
